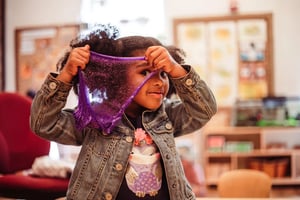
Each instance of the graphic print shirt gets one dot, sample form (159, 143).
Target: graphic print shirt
(144, 178)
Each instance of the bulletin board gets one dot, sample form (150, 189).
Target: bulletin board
(38, 49)
(233, 54)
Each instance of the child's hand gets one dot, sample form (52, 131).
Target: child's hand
(78, 57)
(159, 58)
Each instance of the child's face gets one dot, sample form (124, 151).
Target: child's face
(152, 93)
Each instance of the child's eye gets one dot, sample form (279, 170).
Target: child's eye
(163, 74)
(145, 72)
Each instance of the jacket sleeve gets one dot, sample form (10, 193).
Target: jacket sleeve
(195, 106)
(48, 119)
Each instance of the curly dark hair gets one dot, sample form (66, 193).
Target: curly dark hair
(104, 39)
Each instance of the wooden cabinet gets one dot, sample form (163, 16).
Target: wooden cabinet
(273, 150)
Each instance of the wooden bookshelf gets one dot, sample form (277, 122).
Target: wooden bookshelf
(273, 150)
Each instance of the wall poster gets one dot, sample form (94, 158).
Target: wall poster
(233, 54)
(38, 49)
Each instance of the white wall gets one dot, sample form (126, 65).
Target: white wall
(286, 28)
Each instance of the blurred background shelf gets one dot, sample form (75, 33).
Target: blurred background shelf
(272, 150)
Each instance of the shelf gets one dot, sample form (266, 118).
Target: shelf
(257, 153)
(282, 164)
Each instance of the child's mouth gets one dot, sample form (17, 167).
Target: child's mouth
(156, 94)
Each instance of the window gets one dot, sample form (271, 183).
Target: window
(132, 17)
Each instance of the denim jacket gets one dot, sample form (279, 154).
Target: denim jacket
(103, 160)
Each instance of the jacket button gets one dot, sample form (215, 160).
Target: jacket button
(108, 196)
(189, 82)
(52, 85)
(168, 126)
(128, 139)
(119, 167)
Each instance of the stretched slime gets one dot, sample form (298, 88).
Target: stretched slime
(104, 92)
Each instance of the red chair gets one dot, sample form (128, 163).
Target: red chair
(18, 149)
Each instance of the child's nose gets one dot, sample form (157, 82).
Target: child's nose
(158, 78)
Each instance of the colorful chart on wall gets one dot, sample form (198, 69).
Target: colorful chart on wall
(233, 54)
(253, 66)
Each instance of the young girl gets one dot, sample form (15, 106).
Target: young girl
(138, 159)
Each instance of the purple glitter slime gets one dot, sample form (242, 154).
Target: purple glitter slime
(104, 93)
